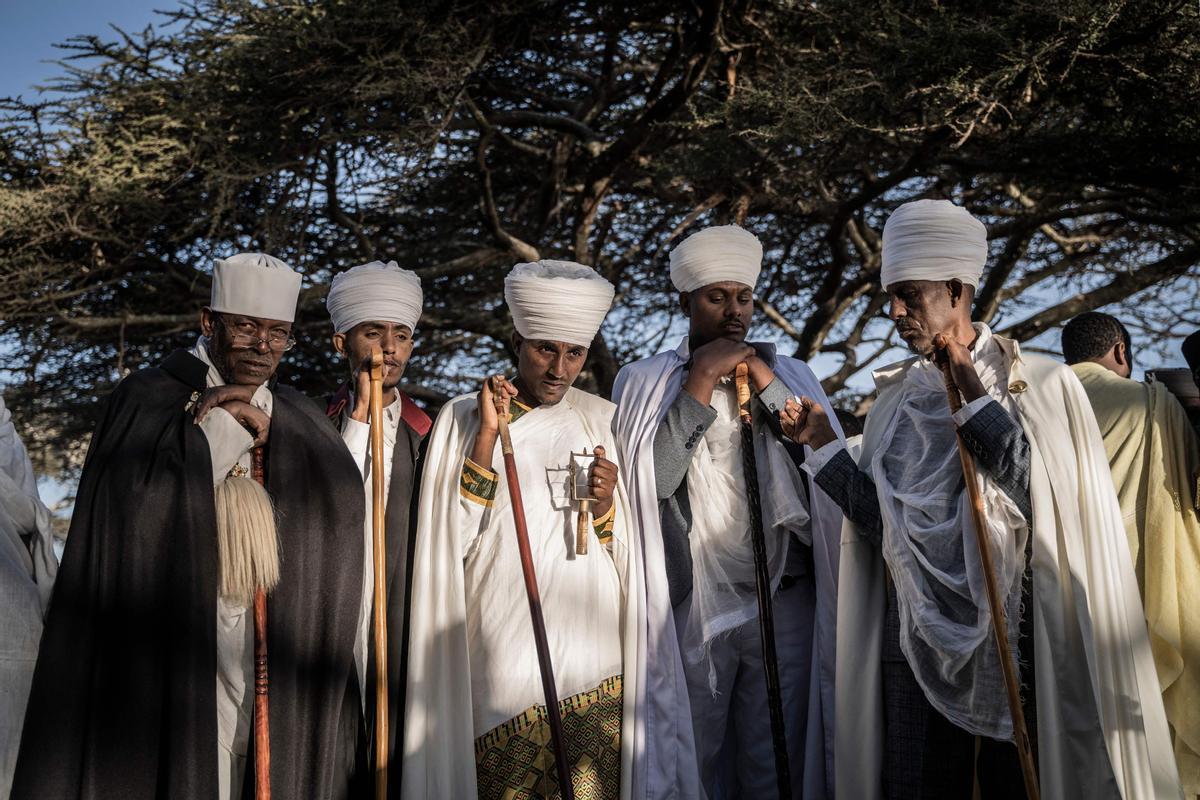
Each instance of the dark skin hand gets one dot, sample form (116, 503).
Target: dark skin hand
(396, 343)
(718, 318)
(493, 401)
(236, 400)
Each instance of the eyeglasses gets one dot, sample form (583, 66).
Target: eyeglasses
(244, 335)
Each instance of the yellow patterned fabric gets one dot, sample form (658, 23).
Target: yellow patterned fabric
(603, 526)
(515, 760)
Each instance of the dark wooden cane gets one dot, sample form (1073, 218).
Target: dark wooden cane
(262, 718)
(762, 587)
(999, 622)
(566, 789)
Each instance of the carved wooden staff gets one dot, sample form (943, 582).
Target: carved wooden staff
(379, 559)
(999, 623)
(762, 586)
(262, 717)
(566, 789)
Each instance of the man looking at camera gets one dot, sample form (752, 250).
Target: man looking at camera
(143, 687)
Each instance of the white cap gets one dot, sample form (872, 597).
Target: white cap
(374, 292)
(558, 301)
(255, 285)
(715, 255)
(933, 240)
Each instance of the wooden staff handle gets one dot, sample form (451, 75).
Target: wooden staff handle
(379, 565)
(999, 622)
(549, 687)
(262, 712)
(741, 379)
(581, 527)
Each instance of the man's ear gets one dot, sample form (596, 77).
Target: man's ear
(339, 343)
(208, 321)
(957, 293)
(1120, 354)
(685, 304)
(516, 341)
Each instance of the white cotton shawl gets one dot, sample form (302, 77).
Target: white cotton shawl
(930, 548)
(667, 769)
(932, 240)
(1102, 731)
(374, 292)
(558, 301)
(439, 731)
(715, 255)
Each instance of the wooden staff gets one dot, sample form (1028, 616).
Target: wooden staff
(762, 587)
(999, 623)
(262, 716)
(581, 527)
(566, 789)
(379, 559)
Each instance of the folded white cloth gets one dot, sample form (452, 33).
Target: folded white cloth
(255, 285)
(559, 301)
(933, 240)
(715, 255)
(374, 292)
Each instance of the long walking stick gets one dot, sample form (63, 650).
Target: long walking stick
(379, 559)
(566, 789)
(262, 717)
(999, 624)
(762, 586)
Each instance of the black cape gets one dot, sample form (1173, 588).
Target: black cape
(399, 537)
(123, 699)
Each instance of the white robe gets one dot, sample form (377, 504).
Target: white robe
(1102, 731)
(644, 392)
(27, 573)
(472, 660)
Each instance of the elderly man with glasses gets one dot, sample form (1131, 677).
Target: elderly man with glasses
(144, 682)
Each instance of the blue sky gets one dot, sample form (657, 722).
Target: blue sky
(30, 29)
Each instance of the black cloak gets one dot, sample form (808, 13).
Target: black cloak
(123, 702)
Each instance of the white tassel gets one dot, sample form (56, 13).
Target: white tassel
(246, 541)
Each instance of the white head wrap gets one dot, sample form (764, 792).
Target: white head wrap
(715, 255)
(559, 301)
(933, 240)
(374, 292)
(255, 285)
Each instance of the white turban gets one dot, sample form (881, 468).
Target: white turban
(559, 301)
(933, 240)
(374, 292)
(255, 285)
(715, 255)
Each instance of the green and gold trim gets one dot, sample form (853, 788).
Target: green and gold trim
(478, 484)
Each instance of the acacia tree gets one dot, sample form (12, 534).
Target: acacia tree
(459, 138)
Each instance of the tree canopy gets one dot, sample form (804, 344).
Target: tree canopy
(459, 138)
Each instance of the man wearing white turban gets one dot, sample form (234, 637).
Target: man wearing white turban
(144, 686)
(379, 305)
(475, 722)
(678, 431)
(921, 706)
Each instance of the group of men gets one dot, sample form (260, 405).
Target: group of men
(691, 530)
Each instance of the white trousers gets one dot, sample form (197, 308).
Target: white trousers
(734, 748)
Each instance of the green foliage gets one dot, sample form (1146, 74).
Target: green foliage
(459, 137)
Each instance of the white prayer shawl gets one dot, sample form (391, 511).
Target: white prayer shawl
(441, 722)
(27, 573)
(930, 547)
(1102, 731)
(644, 392)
